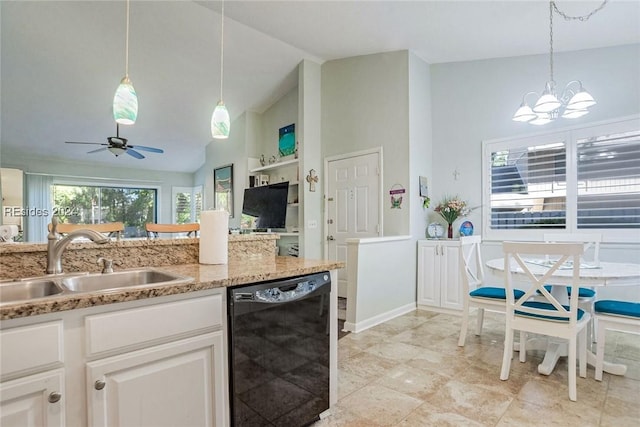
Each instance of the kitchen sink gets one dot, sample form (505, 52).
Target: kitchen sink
(24, 290)
(121, 279)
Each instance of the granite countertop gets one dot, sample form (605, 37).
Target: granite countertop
(204, 277)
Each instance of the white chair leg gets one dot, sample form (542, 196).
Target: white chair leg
(594, 329)
(571, 360)
(507, 354)
(600, 352)
(523, 346)
(480, 321)
(464, 327)
(582, 349)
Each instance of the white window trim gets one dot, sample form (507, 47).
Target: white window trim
(569, 135)
(190, 190)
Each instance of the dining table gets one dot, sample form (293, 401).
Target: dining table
(591, 275)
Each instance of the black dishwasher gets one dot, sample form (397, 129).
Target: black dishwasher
(279, 351)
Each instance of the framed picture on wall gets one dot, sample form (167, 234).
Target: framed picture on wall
(223, 188)
(287, 140)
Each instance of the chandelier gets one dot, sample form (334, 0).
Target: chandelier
(573, 102)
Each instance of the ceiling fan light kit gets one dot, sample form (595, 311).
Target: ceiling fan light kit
(118, 145)
(125, 100)
(220, 122)
(574, 100)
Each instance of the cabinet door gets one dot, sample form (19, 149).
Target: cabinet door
(35, 400)
(429, 274)
(451, 292)
(177, 384)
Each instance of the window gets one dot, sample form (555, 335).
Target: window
(187, 204)
(94, 205)
(584, 178)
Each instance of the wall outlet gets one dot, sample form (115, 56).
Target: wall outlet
(312, 223)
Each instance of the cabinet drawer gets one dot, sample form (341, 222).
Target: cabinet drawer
(31, 348)
(133, 327)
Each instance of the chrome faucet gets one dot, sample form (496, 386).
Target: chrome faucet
(56, 245)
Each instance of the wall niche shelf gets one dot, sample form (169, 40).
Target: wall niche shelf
(275, 166)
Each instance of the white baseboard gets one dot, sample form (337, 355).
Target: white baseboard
(439, 309)
(380, 318)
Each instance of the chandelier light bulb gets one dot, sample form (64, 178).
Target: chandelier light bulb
(581, 100)
(548, 102)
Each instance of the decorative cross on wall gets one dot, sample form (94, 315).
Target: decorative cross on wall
(312, 178)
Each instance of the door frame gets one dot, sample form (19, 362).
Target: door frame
(325, 226)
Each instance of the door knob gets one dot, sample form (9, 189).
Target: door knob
(330, 238)
(99, 384)
(54, 397)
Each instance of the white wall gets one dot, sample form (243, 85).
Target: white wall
(474, 101)
(364, 105)
(282, 113)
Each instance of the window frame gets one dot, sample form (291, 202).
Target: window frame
(570, 135)
(192, 191)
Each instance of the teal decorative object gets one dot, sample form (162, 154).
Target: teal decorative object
(466, 228)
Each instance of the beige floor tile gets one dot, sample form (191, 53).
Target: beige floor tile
(523, 413)
(341, 417)
(348, 383)
(380, 404)
(428, 415)
(415, 382)
(621, 412)
(395, 351)
(366, 365)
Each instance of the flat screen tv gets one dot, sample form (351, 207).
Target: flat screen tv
(265, 207)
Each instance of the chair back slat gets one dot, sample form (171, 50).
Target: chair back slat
(590, 240)
(153, 228)
(471, 267)
(559, 254)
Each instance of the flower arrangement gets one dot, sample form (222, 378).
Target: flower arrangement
(450, 208)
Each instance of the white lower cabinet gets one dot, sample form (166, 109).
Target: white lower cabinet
(34, 400)
(155, 362)
(175, 384)
(439, 274)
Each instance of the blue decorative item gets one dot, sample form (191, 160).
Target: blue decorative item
(466, 228)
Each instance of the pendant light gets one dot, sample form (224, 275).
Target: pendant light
(125, 101)
(574, 99)
(220, 122)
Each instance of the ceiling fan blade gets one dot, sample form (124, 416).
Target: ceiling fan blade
(134, 153)
(98, 150)
(87, 143)
(151, 149)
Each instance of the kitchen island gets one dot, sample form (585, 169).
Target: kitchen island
(141, 355)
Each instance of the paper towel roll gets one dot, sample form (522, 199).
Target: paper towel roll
(214, 237)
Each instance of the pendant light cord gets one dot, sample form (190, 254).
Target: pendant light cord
(222, 50)
(126, 45)
(551, 6)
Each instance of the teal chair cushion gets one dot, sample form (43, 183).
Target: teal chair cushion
(582, 292)
(546, 306)
(495, 293)
(618, 308)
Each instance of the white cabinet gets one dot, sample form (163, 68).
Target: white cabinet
(160, 361)
(32, 387)
(439, 275)
(179, 383)
(33, 400)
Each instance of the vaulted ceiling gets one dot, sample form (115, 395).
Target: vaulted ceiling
(61, 61)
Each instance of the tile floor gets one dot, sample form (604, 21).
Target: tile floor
(410, 372)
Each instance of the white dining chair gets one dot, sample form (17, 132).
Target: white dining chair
(586, 295)
(474, 290)
(614, 315)
(549, 317)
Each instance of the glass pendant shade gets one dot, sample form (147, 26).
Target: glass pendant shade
(524, 114)
(581, 100)
(574, 114)
(542, 119)
(548, 101)
(116, 150)
(220, 122)
(125, 103)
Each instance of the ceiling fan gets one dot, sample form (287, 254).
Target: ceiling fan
(118, 145)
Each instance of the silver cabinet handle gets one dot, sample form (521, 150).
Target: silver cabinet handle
(99, 384)
(54, 397)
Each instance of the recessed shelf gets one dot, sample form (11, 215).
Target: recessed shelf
(293, 205)
(275, 165)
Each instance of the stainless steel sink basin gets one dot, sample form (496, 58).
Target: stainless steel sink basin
(24, 290)
(121, 279)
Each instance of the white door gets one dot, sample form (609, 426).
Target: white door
(176, 384)
(36, 400)
(353, 205)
